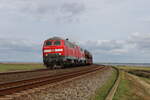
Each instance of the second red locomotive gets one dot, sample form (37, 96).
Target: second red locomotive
(58, 52)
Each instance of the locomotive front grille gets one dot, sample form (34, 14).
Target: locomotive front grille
(53, 59)
(53, 55)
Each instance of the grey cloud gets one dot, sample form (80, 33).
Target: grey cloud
(133, 49)
(145, 19)
(73, 8)
(106, 46)
(19, 50)
(137, 41)
(106, 50)
(71, 11)
(18, 45)
(47, 9)
(141, 41)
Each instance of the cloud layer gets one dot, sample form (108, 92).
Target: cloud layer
(135, 48)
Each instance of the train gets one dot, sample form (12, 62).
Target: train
(59, 52)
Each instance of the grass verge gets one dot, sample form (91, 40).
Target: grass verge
(123, 89)
(103, 91)
(18, 67)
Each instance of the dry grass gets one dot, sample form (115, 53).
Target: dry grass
(133, 68)
(141, 90)
(141, 73)
(4, 67)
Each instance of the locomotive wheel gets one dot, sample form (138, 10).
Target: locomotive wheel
(49, 66)
(58, 66)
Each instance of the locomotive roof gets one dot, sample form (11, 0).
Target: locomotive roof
(58, 38)
(55, 38)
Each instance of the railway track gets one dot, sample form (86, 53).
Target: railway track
(17, 75)
(21, 85)
(29, 71)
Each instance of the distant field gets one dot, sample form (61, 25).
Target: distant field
(19, 66)
(139, 71)
(133, 67)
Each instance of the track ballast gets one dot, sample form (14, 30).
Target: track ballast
(21, 85)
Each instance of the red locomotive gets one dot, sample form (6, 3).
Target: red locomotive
(58, 52)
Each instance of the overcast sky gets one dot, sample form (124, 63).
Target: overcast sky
(113, 30)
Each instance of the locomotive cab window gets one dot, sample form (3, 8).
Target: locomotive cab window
(57, 43)
(48, 43)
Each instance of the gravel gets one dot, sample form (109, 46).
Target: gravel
(80, 88)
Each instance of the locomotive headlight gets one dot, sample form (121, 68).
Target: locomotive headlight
(59, 53)
(47, 50)
(58, 50)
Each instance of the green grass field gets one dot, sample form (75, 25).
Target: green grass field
(18, 67)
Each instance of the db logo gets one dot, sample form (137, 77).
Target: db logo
(53, 50)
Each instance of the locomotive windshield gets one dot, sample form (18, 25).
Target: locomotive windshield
(57, 43)
(48, 43)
